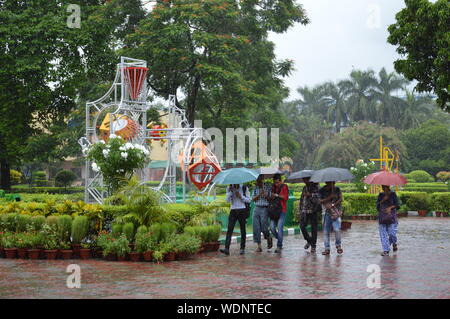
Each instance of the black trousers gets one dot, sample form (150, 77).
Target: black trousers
(304, 220)
(236, 215)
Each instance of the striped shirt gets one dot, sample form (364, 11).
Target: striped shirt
(262, 201)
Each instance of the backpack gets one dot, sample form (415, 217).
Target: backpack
(247, 205)
(274, 209)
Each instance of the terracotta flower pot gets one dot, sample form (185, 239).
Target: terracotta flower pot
(2, 252)
(216, 246)
(170, 256)
(135, 256)
(85, 253)
(111, 257)
(50, 254)
(21, 253)
(422, 213)
(354, 217)
(122, 258)
(438, 214)
(34, 253)
(11, 253)
(148, 255)
(445, 214)
(346, 225)
(66, 253)
(76, 250)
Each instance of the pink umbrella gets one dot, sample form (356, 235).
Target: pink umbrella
(385, 178)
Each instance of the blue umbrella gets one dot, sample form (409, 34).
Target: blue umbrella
(239, 175)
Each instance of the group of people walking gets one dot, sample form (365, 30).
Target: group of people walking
(269, 214)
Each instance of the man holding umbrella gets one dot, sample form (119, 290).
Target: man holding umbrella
(309, 208)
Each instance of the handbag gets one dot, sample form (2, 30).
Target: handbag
(386, 218)
(274, 208)
(335, 212)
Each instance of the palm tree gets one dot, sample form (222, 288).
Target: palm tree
(388, 106)
(337, 105)
(312, 101)
(359, 88)
(414, 110)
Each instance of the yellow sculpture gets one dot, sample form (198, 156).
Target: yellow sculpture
(386, 159)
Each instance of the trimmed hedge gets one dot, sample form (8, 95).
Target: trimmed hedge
(50, 190)
(360, 203)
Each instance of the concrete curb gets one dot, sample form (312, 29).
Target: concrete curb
(237, 239)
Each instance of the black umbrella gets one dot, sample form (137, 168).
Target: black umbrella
(297, 177)
(267, 172)
(331, 174)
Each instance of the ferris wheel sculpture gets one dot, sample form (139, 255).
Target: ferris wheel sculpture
(123, 111)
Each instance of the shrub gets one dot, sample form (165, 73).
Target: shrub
(23, 222)
(361, 203)
(64, 227)
(144, 242)
(128, 231)
(418, 201)
(214, 232)
(116, 230)
(346, 208)
(11, 222)
(443, 176)
(441, 202)
(65, 178)
(142, 230)
(80, 227)
(420, 176)
(360, 171)
(52, 221)
(186, 243)
(39, 178)
(37, 222)
(15, 176)
(119, 246)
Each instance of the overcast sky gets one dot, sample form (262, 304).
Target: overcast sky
(341, 35)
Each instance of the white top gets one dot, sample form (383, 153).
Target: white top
(236, 202)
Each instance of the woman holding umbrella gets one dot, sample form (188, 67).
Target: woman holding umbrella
(387, 205)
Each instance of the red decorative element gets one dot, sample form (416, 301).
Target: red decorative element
(134, 79)
(203, 165)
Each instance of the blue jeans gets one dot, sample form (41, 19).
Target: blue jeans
(327, 224)
(260, 224)
(388, 235)
(277, 230)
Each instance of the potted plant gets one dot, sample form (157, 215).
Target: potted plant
(441, 204)
(186, 245)
(34, 242)
(147, 245)
(50, 247)
(9, 245)
(420, 203)
(80, 227)
(2, 251)
(85, 251)
(66, 252)
(121, 248)
(128, 231)
(168, 248)
(346, 211)
(21, 245)
(403, 211)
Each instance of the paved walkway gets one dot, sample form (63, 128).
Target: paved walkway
(420, 269)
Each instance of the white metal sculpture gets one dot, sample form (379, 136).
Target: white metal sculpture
(126, 103)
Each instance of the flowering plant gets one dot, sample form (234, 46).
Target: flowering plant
(117, 160)
(360, 171)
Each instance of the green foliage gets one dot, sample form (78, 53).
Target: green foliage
(347, 208)
(360, 171)
(40, 179)
(16, 177)
(128, 231)
(23, 222)
(420, 176)
(441, 202)
(52, 221)
(50, 190)
(117, 160)
(418, 201)
(64, 223)
(49, 236)
(443, 176)
(145, 241)
(141, 230)
(119, 246)
(361, 203)
(37, 222)
(116, 230)
(8, 240)
(423, 49)
(65, 178)
(80, 227)
(186, 243)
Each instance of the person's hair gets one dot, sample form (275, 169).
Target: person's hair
(277, 176)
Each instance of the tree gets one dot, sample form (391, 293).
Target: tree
(47, 67)
(337, 104)
(422, 37)
(414, 110)
(428, 146)
(360, 90)
(313, 101)
(215, 52)
(65, 178)
(388, 106)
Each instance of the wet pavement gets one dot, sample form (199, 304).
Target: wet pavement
(420, 269)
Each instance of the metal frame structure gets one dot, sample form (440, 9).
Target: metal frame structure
(118, 102)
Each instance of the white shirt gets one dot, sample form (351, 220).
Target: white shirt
(236, 202)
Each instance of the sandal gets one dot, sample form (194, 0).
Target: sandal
(394, 247)
(340, 250)
(385, 253)
(326, 252)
